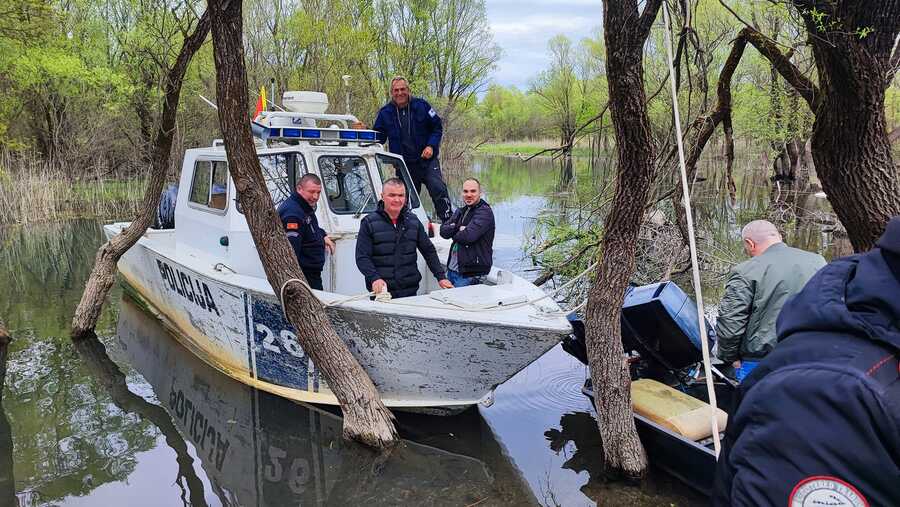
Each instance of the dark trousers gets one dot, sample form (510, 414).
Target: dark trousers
(403, 293)
(313, 277)
(429, 173)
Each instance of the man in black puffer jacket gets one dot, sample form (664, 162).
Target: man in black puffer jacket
(472, 230)
(387, 243)
(818, 421)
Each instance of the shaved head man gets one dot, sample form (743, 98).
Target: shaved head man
(759, 235)
(755, 292)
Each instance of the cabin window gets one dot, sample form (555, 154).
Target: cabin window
(347, 184)
(218, 194)
(393, 167)
(209, 187)
(280, 170)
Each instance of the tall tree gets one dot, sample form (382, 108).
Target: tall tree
(104, 273)
(626, 31)
(857, 55)
(7, 482)
(366, 419)
(856, 52)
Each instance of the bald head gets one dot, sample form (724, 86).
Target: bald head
(759, 235)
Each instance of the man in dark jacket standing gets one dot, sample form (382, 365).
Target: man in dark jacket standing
(413, 130)
(298, 215)
(472, 230)
(818, 421)
(755, 292)
(387, 243)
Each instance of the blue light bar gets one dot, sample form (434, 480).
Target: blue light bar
(311, 133)
(367, 135)
(290, 132)
(348, 134)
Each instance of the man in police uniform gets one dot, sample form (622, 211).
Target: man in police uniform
(413, 130)
(298, 214)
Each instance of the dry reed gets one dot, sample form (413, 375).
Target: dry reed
(33, 189)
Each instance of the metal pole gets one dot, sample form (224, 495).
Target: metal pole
(346, 78)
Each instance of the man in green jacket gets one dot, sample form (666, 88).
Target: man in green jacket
(755, 292)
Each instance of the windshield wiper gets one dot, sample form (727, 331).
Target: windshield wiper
(361, 208)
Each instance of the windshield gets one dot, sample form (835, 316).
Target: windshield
(393, 167)
(347, 184)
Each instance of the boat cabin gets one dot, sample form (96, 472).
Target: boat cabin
(351, 163)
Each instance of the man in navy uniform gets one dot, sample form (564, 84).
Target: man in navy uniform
(298, 214)
(387, 243)
(413, 130)
(818, 421)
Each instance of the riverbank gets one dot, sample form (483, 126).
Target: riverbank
(33, 191)
(526, 149)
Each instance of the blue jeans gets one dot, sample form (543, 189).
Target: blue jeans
(746, 367)
(462, 281)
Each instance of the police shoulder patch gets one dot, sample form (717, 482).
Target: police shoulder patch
(820, 490)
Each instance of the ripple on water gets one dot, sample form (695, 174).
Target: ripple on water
(552, 383)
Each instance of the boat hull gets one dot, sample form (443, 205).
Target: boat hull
(414, 361)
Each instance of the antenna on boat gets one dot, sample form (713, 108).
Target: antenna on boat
(695, 269)
(211, 103)
(346, 78)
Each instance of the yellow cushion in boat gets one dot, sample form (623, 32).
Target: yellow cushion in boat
(672, 409)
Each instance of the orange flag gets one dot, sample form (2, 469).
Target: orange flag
(260, 102)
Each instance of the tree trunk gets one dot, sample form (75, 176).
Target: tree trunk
(850, 144)
(103, 275)
(7, 480)
(366, 419)
(634, 173)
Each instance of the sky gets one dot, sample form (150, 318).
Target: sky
(522, 29)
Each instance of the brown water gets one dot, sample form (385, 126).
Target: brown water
(135, 419)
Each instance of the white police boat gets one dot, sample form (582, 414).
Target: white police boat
(441, 349)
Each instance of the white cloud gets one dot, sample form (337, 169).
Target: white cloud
(523, 28)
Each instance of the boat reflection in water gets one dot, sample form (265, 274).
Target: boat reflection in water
(259, 449)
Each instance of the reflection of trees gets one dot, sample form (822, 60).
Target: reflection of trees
(505, 178)
(43, 269)
(580, 428)
(68, 438)
(108, 374)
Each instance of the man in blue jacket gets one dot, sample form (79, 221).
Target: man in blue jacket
(413, 130)
(818, 421)
(387, 243)
(472, 230)
(298, 215)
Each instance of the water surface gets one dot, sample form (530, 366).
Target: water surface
(134, 418)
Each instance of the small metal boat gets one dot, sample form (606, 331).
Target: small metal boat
(661, 335)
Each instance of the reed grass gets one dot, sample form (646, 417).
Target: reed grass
(33, 190)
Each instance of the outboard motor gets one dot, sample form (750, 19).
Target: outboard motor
(659, 322)
(575, 343)
(165, 212)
